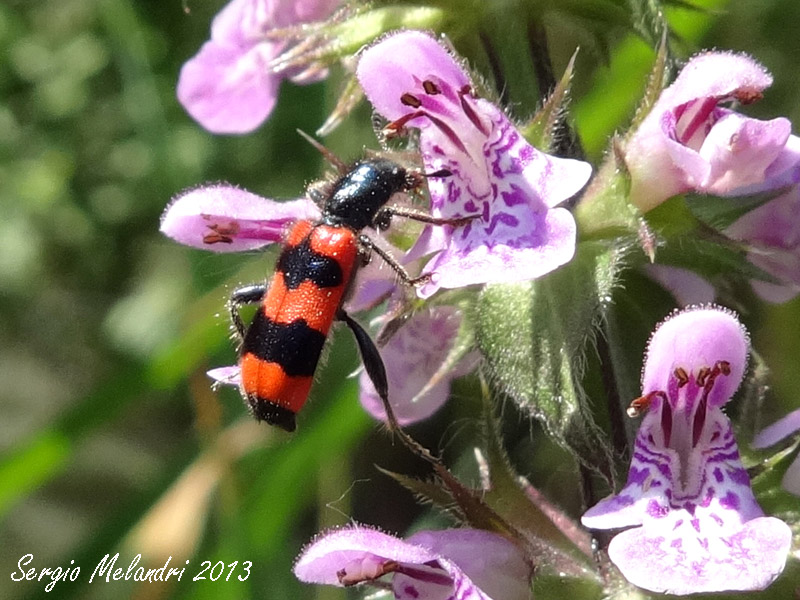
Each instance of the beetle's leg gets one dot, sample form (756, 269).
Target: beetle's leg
(384, 217)
(373, 364)
(367, 243)
(319, 192)
(248, 294)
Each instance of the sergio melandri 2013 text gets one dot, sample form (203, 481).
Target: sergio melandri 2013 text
(106, 570)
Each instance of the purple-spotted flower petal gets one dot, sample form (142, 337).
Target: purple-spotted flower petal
(510, 187)
(772, 233)
(689, 142)
(459, 563)
(417, 367)
(223, 218)
(700, 528)
(783, 428)
(228, 86)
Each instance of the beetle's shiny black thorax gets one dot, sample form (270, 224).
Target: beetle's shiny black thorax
(358, 195)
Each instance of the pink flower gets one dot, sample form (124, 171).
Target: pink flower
(696, 524)
(457, 563)
(519, 234)
(224, 218)
(418, 366)
(773, 434)
(689, 142)
(228, 87)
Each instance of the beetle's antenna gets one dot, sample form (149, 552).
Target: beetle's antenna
(334, 160)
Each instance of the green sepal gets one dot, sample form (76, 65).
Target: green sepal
(426, 492)
(349, 97)
(604, 210)
(364, 27)
(327, 42)
(542, 129)
(534, 337)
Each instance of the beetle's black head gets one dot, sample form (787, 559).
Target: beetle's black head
(359, 194)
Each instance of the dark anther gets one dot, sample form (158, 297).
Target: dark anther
(702, 375)
(430, 88)
(681, 376)
(221, 234)
(748, 96)
(724, 367)
(410, 100)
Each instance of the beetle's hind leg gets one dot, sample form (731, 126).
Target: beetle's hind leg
(248, 294)
(373, 365)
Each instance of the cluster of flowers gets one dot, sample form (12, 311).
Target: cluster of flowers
(697, 524)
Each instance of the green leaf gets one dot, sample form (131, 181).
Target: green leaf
(721, 213)
(710, 258)
(534, 337)
(30, 465)
(769, 492)
(673, 218)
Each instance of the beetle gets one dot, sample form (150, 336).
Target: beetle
(279, 350)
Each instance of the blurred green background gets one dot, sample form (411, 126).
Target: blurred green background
(110, 438)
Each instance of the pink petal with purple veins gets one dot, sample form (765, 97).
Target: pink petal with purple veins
(471, 259)
(718, 75)
(416, 368)
(431, 564)
(224, 218)
(496, 176)
(701, 527)
(683, 561)
(688, 142)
